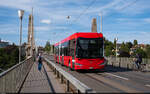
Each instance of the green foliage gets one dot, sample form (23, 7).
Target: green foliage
(108, 51)
(108, 47)
(124, 47)
(141, 52)
(129, 45)
(47, 46)
(8, 56)
(148, 51)
(135, 42)
(124, 50)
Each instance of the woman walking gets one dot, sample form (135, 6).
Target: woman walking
(39, 62)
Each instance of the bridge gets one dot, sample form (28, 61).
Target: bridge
(119, 76)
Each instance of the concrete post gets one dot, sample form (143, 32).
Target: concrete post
(94, 25)
(67, 86)
(31, 43)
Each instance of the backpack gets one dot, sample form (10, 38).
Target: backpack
(40, 59)
(140, 59)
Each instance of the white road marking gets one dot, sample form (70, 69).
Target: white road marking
(117, 76)
(147, 85)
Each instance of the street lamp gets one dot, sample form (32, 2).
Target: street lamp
(20, 14)
(116, 45)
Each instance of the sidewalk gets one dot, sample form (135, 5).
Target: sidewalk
(38, 82)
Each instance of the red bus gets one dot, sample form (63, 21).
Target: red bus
(81, 51)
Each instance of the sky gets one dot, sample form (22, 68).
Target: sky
(125, 19)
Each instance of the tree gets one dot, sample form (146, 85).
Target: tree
(129, 44)
(148, 51)
(47, 46)
(9, 56)
(108, 51)
(108, 47)
(141, 52)
(135, 42)
(124, 50)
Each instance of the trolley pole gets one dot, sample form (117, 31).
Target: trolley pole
(101, 22)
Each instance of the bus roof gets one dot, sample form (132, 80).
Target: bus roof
(81, 34)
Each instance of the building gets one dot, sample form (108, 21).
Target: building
(3, 44)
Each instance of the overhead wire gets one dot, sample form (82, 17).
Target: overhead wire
(86, 9)
(128, 5)
(94, 2)
(83, 12)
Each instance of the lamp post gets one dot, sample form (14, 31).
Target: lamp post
(20, 14)
(116, 46)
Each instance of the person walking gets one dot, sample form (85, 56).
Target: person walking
(138, 60)
(39, 62)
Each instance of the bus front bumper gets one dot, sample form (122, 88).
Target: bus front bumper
(89, 67)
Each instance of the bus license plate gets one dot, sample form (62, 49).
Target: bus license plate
(91, 67)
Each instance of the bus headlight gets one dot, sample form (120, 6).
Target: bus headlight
(73, 60)
(104, 63)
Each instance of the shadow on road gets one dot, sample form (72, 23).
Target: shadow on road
(108, 68)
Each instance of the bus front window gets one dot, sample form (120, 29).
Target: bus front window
(89, 48)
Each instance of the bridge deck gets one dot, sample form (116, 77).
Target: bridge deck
(38, 81)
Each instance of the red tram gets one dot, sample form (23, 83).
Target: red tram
(81, 51)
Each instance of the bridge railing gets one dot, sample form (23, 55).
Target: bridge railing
(128, 63)
(72, 84)
(12, 79)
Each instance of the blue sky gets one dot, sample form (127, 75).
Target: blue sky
(125, 19)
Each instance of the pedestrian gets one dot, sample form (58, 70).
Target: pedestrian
(39, 62)
(138, 60)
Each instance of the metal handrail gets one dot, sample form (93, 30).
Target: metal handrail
(13, 67)
(12, 79)
(79, 85)
(127, 62)
(1, 69)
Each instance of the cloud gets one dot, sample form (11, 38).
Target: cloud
(50, 28)
(133, 7)
(133, 22)
(58, 10)
(46, 21)
(147, 20)
(42, 28)
(9, 32)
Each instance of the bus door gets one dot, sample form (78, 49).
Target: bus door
(62, 50)
(59, 52)
(72, 51)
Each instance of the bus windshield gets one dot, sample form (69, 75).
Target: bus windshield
(89, 48)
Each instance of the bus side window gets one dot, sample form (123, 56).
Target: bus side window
(72, 47)
(65, 48)
(62, 49)
(57, 51)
